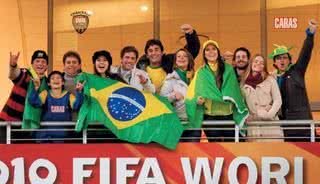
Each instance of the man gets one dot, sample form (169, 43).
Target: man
(241, 59)
(290, 78)
(130, 74)
(14, 107)
(158, 64)
(72, 67)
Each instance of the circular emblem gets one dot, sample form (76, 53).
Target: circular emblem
(126, 103)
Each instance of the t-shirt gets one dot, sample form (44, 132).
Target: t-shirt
(157, 76)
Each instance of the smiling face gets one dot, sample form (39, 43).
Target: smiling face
(128, 61)
(241, 59)
(56, 81)
(282, 62)
(154, 54)
(258, 64)
(182, 60)
(101, 64)
(72, 65)
(211, 53)
(40, 66)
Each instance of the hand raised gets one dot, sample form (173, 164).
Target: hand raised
(14, 59)
(79, 86)
(313, 25)
(186, 28)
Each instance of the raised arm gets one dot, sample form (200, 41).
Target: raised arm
(14, 70)
(306, 51)
(193, 42)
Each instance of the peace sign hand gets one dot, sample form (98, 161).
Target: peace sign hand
(79, 86)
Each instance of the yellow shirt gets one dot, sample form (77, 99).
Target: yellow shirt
(157, 76)
(214, 108)
(213, 66)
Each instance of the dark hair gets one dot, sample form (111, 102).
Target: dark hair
(219, 76)
(39, 54)
(190, 59)
(107, 55)
(104, 53)
(241, 49)
(55, 72)
(71, 54)
(127, 49)
(152, 42)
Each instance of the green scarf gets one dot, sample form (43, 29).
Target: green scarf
(183, 75)
(204, 85)
(32, 115)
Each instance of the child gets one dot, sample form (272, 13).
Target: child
(57, 105)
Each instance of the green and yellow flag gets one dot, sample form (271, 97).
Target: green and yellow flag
(130, 114)
(204, 85)
(32, 115)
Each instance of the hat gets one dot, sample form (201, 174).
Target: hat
(279, 50)
(205, 44)
(39, 54)
(104, 53)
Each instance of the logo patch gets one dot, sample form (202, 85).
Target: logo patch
(80, 21)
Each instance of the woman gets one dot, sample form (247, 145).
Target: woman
(102, 62)
(176, 84)
(214, 94)
(263, 99)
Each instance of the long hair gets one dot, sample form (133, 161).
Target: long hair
(219, 76)
(264, 73)
(190, 67)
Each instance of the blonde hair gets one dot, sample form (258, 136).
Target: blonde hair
(264, 73)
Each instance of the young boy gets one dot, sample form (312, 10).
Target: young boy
(56, 103)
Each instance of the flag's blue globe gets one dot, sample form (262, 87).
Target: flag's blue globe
(126, 103)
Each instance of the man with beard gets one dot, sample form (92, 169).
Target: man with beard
(241, 57)
(291, 81)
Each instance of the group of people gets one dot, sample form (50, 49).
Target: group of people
(244, 92)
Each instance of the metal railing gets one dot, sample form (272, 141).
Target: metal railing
(95, 128)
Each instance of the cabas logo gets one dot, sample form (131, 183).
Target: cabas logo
(80, 21)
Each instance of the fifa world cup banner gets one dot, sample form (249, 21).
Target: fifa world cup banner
(139, 163)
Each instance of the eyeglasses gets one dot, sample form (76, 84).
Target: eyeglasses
(281, 57)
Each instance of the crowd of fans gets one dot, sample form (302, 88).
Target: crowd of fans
(242, 90)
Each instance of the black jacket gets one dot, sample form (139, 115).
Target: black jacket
(193, 46)
(295, 103)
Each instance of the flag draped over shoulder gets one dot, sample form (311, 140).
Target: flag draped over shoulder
(32, 115)
(130, 114)
(204, 85)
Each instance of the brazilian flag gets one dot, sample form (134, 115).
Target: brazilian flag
(132, 115)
